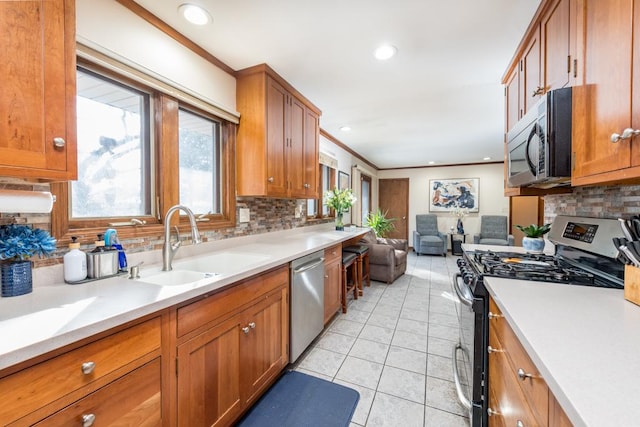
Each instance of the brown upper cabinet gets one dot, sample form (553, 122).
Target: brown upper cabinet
(606, 146)
(278, 137)
(37, 100)
(545, 60)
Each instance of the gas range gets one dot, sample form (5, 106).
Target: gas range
(584, 255)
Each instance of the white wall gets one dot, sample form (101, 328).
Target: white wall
(491, 200)
(346, 163)
(113, 30)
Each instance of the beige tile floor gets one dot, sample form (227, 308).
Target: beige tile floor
(394, 347)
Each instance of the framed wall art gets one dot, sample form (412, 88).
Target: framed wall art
(447, 195)
(343, 180)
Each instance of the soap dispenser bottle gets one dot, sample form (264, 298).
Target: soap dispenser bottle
(75, 262)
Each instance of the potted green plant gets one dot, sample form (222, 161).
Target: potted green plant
(533, 241)
(379, 223)
(340, 201)
(18, 243)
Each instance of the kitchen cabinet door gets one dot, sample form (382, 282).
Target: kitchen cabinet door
(209, 370)
(602, 102)
(277, 123)
(512, 100)
(311, 156)
(296, 147)
(332, 281)
(558, 44)
(530, 88)
(37, 100)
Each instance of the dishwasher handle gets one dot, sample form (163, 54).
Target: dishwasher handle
(308, 266)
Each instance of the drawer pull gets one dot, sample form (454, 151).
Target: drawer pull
(494, 315)
(628, 133)
(519, 424)
(88, 420)
(491, 412)
(88, 367)
(59, 142)
(245, 329)
(494, 350)
(252, 325)
(523, 375)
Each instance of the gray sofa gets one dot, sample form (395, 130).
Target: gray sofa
(494, 231)
(426, 237)
(387, 257)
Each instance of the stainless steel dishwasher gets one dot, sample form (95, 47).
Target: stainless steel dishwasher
(307, 302)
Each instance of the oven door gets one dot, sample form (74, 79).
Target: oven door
(469, 363)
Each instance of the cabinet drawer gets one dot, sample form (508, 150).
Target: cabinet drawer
(507, 401)
(333, 253)
(132, 400)
(534, 387)
(34, 387)
(199, 313)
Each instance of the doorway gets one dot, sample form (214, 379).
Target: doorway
(394, 200)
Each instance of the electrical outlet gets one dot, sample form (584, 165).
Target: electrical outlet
(245, 215)
(298, 212)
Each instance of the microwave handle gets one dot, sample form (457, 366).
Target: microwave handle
(534, 130)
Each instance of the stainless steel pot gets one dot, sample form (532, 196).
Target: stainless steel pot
(102, 264)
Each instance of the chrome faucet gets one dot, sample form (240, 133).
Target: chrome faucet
(169, 249)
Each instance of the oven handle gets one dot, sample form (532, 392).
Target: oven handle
(456, 378)
(465, 299)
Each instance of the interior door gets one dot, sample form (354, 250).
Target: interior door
(393, 198)
(525, 210)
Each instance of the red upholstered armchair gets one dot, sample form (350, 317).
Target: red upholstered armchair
(387, 257)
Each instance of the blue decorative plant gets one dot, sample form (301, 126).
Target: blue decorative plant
(21, 242)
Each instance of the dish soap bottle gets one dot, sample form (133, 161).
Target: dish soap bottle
(75, 262)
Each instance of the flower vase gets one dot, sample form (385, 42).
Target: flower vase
(533, 245)
(459, 226)
(339, 223)
(16, 278)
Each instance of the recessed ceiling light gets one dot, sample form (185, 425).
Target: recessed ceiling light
(385, 52)
(345, 128)
(195, 14)
(432, 162)
(486, 158)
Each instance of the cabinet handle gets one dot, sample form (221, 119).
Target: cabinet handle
(494, 315)
(519, 424)
(245, 329)
(628, 133)
(59, 142)
(88, 420)
(539, 91)
(270, 179)
(252, 325)
(491, 412)
(523, 375)
(307, 186)
(88, 367)
(494, 350)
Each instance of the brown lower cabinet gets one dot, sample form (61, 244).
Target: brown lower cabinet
(224, 366)
(332, 281)
(518, 394)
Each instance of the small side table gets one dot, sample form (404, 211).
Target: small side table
(456, 244)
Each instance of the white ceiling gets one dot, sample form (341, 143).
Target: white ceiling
(438, 100)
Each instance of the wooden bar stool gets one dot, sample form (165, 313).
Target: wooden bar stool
(362, 253)
(349, 262)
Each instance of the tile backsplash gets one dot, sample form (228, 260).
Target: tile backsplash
(599, 202)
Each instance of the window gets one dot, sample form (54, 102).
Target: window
(365, 197)
(199, 153)
(113, 143)
(141, 151)
(327, 179)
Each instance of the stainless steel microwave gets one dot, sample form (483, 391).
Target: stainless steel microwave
(539, 145)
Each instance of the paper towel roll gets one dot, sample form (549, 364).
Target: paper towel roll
(18, 201)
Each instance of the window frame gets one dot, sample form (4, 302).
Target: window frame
(332, 183)
(163, 177)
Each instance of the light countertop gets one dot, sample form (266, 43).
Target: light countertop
(56, 314)
(584, 340)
